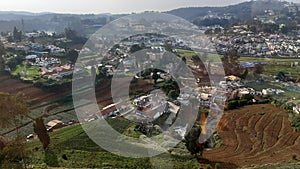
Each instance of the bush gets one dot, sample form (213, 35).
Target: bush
(51, 158)
(294, 157)
(263, 101)
(247, 97)
(243, 102)
(217, 166)
(233, 104)
(296, 122)
(173, 94)
(14, 154)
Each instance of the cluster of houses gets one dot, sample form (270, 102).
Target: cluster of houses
(57, 72)
(43, 61)
(233, 87)
(29, 47)
(262, 44)
(47, 57)
(50, 67)
(270, 91)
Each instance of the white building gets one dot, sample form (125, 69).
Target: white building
(296, 109)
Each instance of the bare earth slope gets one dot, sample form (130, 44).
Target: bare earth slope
(13, 86)
(252, 138)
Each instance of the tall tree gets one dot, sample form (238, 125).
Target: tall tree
(231, 64)
(15, 154)
(192, 141)
(41, 131)
(258, 69)
(70, 34)
(183, 59)
(17, 35)
(13, 108)
(74, 36)
(2, 51)
(72, 56)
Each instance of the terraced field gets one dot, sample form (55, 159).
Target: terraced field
(60, 102)
(39, 96)
(13, 86)
(255, 135)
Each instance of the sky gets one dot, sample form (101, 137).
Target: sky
(105, 6)
(108, 6)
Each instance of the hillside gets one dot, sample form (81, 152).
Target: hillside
(26, 21)
(88, 23)
(253, 135)
(256, 135)
(72, 148)
(242, 11)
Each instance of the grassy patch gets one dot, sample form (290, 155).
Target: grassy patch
(72, 148)
(276, 65)
(28, 72)
(131, 133)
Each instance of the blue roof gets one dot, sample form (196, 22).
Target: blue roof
(251, 64)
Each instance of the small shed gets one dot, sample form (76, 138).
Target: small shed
(55, 124)
(232, 78)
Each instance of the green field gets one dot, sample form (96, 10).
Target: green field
(291, 165)
(30, 72)
(276, 65)
(81, 152)
(188, 54)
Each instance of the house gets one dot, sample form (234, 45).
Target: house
(155, 56)
(57, 72)
(232, 78)
(244, 91)
(296, 109)
(142, 102)
(128, 64)
(270, 91)
(30, 57)
(204, 96)
(181, 130)
(107, 111)
(55, 124)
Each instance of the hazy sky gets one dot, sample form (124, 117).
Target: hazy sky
(105, 6)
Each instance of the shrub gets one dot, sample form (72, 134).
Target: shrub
(243, 102)
(173, 94)
(294, 157)
(263, 101)
(217, 166)
(14, 154)
(296, 122)
(247, 97)
(233, 104)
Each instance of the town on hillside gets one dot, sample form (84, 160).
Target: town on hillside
(231, 100)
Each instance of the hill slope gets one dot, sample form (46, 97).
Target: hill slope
(242, 11)
(256, 135)
(81, 152)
